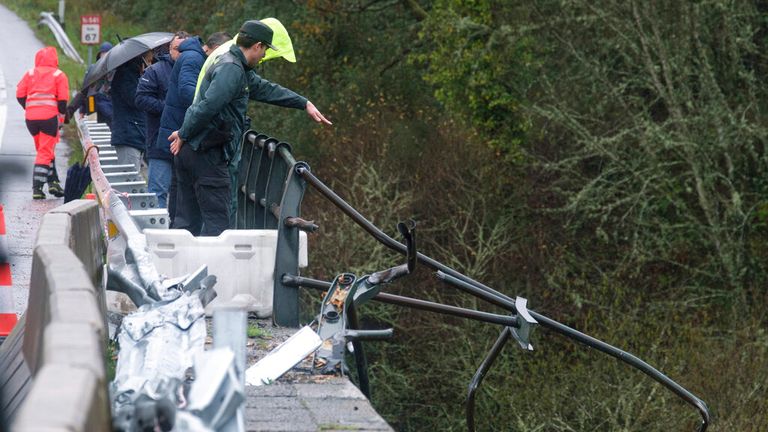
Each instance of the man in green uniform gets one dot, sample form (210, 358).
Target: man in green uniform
(213, 126)
(283, 49)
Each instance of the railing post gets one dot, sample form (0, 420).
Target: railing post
(282, 162)
(257, 169)
(285, 307)
(244, 170)
(230, 327)
(260, 186)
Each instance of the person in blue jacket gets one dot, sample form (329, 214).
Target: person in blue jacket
(128, 124)
(150, 97)
(181, 92)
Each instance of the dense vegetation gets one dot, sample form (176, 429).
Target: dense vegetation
(603, 159)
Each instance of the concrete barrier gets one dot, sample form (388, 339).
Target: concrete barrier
(64, 398)
(85, 236)
(53, 366)
(60, 291)
(15, 377)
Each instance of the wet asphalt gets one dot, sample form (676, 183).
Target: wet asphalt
(18, 46)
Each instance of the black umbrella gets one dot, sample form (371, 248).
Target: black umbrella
(78, 178)
(123, 52)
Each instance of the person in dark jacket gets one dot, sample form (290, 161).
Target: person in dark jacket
(128, 125)
(181, 91)
(93, 99)
(102, 102)
(181, 87)
(150, 97)
(213, 126)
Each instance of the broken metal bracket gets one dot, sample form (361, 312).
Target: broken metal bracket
(526, 324)
(217, 396)
(329, 358)
(304, 225)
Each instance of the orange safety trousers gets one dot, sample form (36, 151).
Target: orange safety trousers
(46, 136)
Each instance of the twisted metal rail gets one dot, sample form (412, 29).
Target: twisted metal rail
(117, 213)
(259, 192)
(484, 292)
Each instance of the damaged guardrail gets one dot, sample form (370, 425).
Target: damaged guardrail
(518, 325)
(164, 378)
(271, 187)
(49, 20)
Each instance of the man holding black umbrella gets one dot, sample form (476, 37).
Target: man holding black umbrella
(127, 59)
(214, 124)
(128, 124)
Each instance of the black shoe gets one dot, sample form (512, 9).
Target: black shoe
(55, 189)
(38, 194)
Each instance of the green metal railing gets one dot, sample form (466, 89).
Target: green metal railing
(270, 191)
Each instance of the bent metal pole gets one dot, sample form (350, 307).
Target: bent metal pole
(487, 293)
(118, 214)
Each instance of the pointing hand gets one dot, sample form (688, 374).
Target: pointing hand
(316, 114)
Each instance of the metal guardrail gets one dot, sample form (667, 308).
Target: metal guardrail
(269, 197)
(271, 185)
(267, 164)
(151, 288)
(164, 339)
(48, 19)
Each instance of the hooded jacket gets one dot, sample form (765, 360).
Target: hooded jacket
(128, 123)
(181, 89)
(44, 90)
(223, 100)
(150, 97)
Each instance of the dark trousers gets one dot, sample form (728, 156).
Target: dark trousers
(172, 194)
(203, 196)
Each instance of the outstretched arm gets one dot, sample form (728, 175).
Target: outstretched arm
(274, 94)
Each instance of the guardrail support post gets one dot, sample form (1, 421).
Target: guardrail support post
(285, 307)
(230, 327)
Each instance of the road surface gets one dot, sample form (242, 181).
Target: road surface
(18, 46)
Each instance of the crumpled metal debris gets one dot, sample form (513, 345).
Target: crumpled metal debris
(281, 359)
(158, 344)
(216, 397)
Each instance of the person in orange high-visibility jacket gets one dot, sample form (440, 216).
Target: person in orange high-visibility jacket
(43, 92)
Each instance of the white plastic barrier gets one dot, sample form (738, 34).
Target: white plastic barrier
(243, 262)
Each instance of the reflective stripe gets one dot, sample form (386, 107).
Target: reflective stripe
(41, 95)
(57, 73)
(41, 103)
(41, 170)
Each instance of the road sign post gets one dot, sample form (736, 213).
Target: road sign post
(90, 32)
